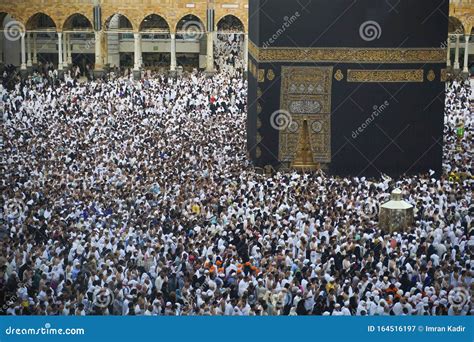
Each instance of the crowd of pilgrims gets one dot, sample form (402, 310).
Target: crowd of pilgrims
(127, 197)
(228, 49)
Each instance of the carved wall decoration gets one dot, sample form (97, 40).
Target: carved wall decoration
(444, 75)
(252, 69)
(317, 126)
(270, 75)
(409, 75)
(293, 127)
(258, 152)
(253, 49)
(303, 83)
(305, 107)
(339, 76)
(431, 76)
(348, 55)
(259, 108)
(261, 75)
(306, 95)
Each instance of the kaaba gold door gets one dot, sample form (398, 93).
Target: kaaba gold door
(305, 97)
(304, 155)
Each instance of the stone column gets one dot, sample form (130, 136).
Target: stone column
(28, 50)
(246, 52)
(173, 52)
(35, 53)
(69, 49)
(448, 53)
(65, 50)
(105, 48)
(456, 56)
(210, 52)
(466, 54)
(136, 55)
(23, 52)
(140, 54)
(1, 48)
(98, 50)
(60, 51)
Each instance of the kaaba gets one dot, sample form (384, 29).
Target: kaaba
(353, 87)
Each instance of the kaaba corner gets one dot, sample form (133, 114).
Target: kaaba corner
(355, 88)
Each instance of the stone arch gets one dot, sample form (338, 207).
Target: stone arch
(77, 22)
(156, 23)
(190, 21)
(455, 25)
(40, 21)
(13, 29)
(3, 15)
(230, 18)
(124, 23)
(468, 23)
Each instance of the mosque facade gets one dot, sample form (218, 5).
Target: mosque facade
(63, 20)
